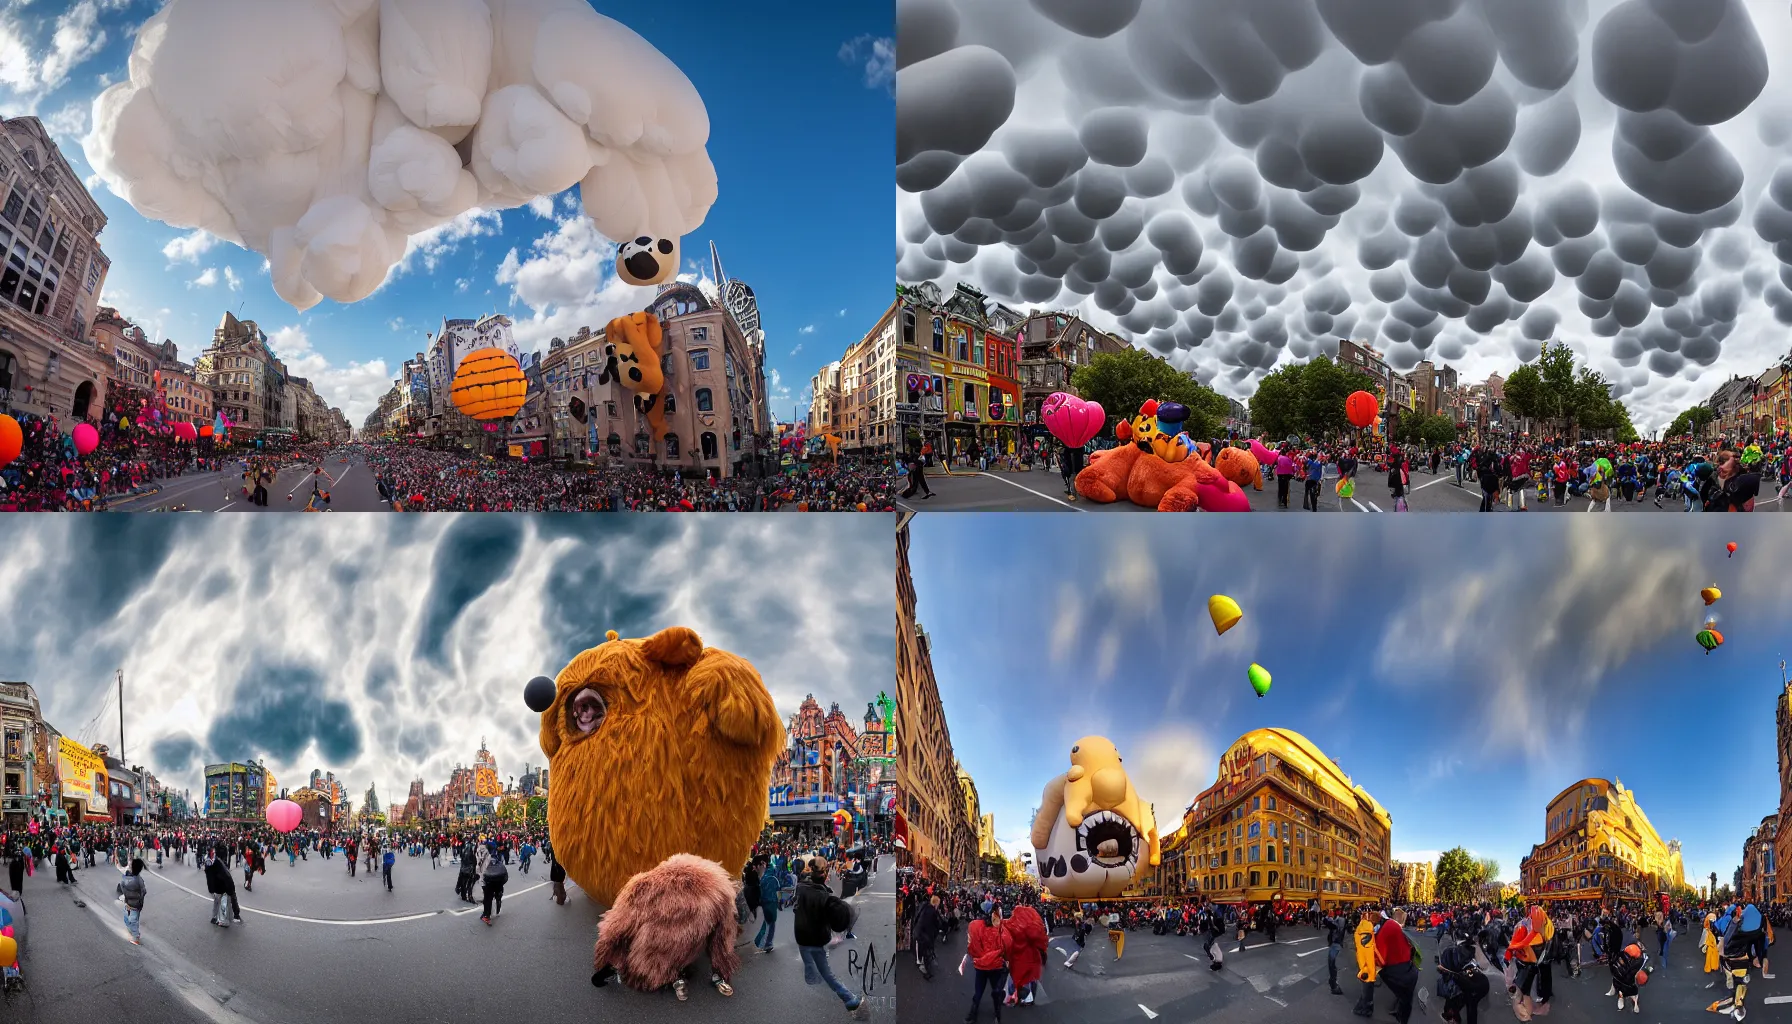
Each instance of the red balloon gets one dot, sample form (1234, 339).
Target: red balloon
(1361, 408)
(12, 440)
(1730, 547)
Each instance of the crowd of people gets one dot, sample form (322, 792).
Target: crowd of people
(428, 480)
(1479, 948)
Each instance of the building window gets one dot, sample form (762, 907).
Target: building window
(707, 443)
(700, 359)
(609, 408)
(671, 446)
(699, 334)
(15, 204)
(939, 335)
(705, 402)
(1256, 855)
(908, 326)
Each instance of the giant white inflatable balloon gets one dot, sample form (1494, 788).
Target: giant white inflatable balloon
(372, 121)
(1092, 831)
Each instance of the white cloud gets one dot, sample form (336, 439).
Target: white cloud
(878, 54)
(18, 71)
(189, 247)
(78, 37)
(230, 278)
(355, 388)
(797, 349)
(842, 312)
(1172, 765)
(462, 284)
(396, 323)
(69, 123)
(207, 278)
(806, 329)
(443, 239)
(543, 207)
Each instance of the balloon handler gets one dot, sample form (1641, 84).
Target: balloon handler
(660, 750)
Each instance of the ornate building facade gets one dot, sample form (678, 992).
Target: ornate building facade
(1598, 844)
(942, 837)
(1281, 822)
(51, 275)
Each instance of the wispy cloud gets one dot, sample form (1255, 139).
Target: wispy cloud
(877, 54)
(806, 329)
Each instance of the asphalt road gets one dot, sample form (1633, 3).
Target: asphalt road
(1038, 491)
(318, 947)
(351, 486)
(1167, 978)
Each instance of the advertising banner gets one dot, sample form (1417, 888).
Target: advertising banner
(83, 776)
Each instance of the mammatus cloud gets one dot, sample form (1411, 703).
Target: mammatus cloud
(1240, 184)
(374, 122)
(429, 632)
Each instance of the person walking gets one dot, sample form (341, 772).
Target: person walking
(1394, 951)
(987, 951)
(386, 867)
(494, 877)
(132, 890)
(1070, 463)
(771, 885)
(817, 914)
(222, 888)
(917, 478)
(1336, 931)
(927, 932)
(1026, 955)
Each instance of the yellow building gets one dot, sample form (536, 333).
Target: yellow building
(1418, 882)
(1599, 844)
(1282, 822)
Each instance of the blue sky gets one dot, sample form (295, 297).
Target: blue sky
(802, 115)
(1462, 671)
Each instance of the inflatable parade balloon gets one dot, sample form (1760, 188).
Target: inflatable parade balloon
(632, 358)
(1092, 831)
(186, 431)
(538, 695)
(86, 438)
(1264, 455)
(1072, 420)
(489, 385)
(1259, 677)
(12, 440)
(1240, 467)
(1171, 416)
(1221, 496)
(384, 122)
(284, 815)
(1731, 548)
(1709, 638)
(1224, 612)
(683, 764)
(1711, 595)
(1361, 408)
(9, 951)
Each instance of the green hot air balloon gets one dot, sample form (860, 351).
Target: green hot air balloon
(1259, 679)
(1709, 639)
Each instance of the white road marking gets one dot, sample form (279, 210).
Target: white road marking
(317, 920)
(1296, 942)
(1439, 480)
(1148, 1014)
(1259, 945)
(1276, 1001)
(1310, 952)
(1031, 491)
(1191, 956)
(179, 975)
(1777, 999)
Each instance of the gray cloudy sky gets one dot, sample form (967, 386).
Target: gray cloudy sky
(1238, 183)
(381, 647)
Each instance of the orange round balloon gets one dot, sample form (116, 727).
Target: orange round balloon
(205, 431)
(1361, 408)
(12, 440)
(489, 385)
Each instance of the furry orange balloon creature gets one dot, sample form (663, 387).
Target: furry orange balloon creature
(1240, 467)
(632, 348)
(1131, 474)
(663, 920)
(656, 747)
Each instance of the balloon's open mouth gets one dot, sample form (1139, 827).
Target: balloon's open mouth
(1109, 840)
(585, 712)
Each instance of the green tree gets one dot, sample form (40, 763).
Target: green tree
(1692, 421)
(1456, 872)
(1527, 395)
(1486, 870)
(1276, 405)
(1437, 430)
(1324, 387)
(1123, 381)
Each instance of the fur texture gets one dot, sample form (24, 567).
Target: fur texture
(680, 763)
(667, 917)
(1130, 474)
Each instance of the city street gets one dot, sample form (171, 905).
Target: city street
(318, 946)
(351, 486)
(1040, 491)
(1167, 978)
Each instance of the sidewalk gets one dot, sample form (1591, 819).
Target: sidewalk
(78, 971)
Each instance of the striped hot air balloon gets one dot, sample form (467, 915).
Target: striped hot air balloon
(489, 385)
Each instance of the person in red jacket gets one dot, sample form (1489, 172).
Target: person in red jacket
(1026, 955)
(1394, 951)
(987, 950)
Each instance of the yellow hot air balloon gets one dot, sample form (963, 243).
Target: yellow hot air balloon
(489, 385)
(1711, 595)
(1224, 611)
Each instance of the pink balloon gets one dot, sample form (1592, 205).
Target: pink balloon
(186, 431)
(1229, 498)
(284, 815)
(1072, 420)
(86, 438)
(1265, 456)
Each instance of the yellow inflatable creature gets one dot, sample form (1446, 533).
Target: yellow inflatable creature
(1097, 781)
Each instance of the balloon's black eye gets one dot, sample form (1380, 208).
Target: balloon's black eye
(666, 246)
(1075, 749)
(643, 240)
